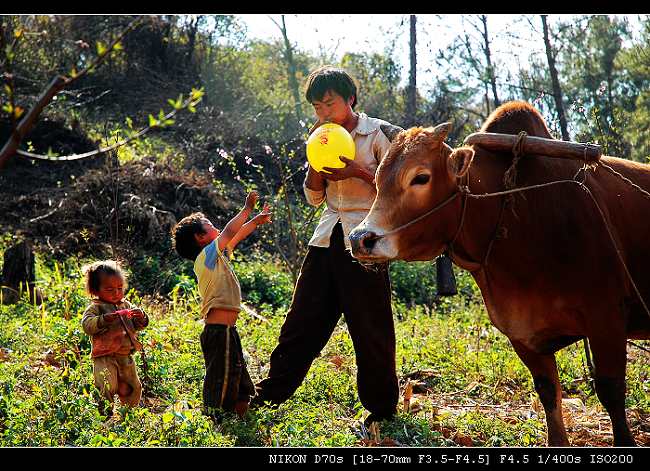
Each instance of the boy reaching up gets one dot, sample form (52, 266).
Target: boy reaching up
(227, 384)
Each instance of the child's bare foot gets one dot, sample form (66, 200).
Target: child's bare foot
(241, 407)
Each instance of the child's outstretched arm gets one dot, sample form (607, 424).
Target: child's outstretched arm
(247, 229)
(235, 224)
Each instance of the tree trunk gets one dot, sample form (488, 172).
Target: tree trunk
(291, 68)
(165, 40)
(488, 58)
(557, 91)
(191, 41)
(19, 274)
(411, 103)
(3, 40)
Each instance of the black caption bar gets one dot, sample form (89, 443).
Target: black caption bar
(394, 456)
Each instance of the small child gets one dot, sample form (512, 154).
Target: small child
(227, 384)
(112, 322)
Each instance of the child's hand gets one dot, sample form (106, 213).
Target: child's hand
(251, 199)
(111, 317)
(137, 313)
(264, 217)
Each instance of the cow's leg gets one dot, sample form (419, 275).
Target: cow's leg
(547, 384)
(610, 360)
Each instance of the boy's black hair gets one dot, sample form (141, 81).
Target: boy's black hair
(183, 235)
(327, 78)
(95, 271)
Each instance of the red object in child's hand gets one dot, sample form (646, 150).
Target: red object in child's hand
(125, 312)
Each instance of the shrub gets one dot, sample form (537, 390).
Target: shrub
(264, 282)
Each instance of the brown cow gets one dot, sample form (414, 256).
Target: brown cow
(552, 276)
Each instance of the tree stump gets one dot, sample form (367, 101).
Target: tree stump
(19, 274)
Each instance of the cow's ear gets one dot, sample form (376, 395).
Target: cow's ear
(459, 161)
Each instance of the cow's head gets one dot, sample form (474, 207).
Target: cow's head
(419, 172)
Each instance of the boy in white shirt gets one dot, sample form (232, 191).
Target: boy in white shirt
(331, 282)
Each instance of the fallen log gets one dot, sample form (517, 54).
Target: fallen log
(590, 153)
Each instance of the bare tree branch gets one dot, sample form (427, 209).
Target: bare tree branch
(474, 112)
(275, 22)
(528, 89)
(26, 124)
(291, 67)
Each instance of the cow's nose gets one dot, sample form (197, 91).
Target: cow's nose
(363, 241)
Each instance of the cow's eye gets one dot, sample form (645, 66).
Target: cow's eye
(421, 179)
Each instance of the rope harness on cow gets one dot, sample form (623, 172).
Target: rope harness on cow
(509, 182)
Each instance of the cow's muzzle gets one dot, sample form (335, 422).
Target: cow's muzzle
(362, 242)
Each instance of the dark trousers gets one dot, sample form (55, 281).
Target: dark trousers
(226, 378)
(331, 282)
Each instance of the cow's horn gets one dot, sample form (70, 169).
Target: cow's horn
(441, 131)
(390, 131)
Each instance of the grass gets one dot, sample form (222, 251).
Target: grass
(471, 389)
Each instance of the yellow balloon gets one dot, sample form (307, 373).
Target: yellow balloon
(326, 144)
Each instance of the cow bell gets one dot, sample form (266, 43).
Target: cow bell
(445, 279)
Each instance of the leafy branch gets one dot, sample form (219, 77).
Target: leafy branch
(161, 121)
(58, 83)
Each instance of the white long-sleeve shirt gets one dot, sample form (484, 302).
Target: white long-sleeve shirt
(350, 200)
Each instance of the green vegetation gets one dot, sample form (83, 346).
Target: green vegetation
(449, 349)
